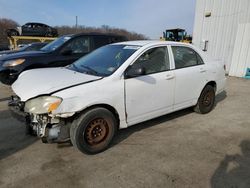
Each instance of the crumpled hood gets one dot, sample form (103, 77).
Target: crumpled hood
(36, 82)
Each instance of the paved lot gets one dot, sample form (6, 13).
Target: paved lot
(183, 149)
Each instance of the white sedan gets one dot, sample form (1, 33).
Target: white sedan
(114, 87)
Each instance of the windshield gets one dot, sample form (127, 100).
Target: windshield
(104, 61)
(55, 44)
(24, 48)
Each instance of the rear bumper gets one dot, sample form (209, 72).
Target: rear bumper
(221, 85)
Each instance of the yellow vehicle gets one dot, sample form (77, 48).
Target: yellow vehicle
(13, 40)
(179, 35)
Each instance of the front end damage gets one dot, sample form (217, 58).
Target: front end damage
(50, 128)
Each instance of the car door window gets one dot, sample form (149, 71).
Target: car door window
(199, 59)
(154, 60)
(78, 45)
(185, 57)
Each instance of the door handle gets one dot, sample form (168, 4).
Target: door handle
(169, 77)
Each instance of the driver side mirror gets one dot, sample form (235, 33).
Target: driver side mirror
(132, 72)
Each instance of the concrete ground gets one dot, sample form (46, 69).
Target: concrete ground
(183, 149)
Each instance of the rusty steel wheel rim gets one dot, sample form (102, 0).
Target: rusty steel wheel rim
(97, 131)
(208, 98)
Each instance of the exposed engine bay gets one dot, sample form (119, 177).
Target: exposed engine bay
(50, 129)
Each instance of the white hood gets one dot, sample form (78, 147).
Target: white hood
(36, 82)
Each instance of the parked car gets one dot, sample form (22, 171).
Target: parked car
(4, 47)
(61, 52)
(29, 47)
(33, 29)
(114, 87)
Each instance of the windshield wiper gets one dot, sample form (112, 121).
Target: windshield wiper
(90, 69)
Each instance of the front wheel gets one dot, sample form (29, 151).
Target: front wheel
(14, 33)
(93, 131)
(206, 100)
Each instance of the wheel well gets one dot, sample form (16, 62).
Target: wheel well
(213, 84)
(106, 106)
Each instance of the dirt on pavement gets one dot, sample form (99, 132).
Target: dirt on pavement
(182, 149)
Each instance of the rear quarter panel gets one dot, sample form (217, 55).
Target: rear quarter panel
(217, 73)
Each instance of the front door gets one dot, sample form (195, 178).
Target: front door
(72, 51)
(152, 94)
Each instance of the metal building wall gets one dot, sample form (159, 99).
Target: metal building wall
(241, 54)
(221, 27)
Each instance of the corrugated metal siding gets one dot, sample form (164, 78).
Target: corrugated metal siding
(221, 27)
(241, 55)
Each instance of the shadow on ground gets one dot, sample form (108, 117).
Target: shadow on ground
(4, 99)
(13, 138)
(234, 170)
(12, 135)
(125, 133)
(220, 97)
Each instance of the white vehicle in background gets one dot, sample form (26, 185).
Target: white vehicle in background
(114, 87)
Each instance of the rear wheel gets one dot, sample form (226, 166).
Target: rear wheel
(92, 132)
(48, 34)
(206, 100)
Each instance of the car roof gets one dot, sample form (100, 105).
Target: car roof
(149, 42)
(93, 34)
(176, 29)
(37, 23)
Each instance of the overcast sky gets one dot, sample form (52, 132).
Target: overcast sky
(149, 17)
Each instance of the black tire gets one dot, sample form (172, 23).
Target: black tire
(14, 33)
(206, 100)
(93, 131)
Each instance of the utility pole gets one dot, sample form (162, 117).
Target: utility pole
(76, 22)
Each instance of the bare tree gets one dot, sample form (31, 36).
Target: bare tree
(5, 24)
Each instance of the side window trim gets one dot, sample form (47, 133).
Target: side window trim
(171, 58)
(167, 48)
(199, 57)
(196, 55)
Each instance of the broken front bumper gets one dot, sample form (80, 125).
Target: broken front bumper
(17, 109)
(47, 128)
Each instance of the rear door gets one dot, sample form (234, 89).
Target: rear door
(190, 73)
(37, 29)
(27, 29)
(152, 94)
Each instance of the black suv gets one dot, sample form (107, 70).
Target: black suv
(61, 52)
(33, 29)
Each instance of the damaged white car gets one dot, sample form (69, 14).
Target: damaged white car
(114, 87)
